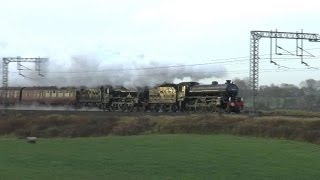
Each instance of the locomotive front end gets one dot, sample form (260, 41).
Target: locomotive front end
(232, 90)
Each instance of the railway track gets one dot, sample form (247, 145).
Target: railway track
(87, 112)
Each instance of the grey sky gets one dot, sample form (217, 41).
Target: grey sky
(165, 32)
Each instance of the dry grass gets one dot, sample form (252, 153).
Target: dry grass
(294, 128)
(291, 113)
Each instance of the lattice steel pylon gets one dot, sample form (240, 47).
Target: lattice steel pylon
(5, 74)
(255, 36)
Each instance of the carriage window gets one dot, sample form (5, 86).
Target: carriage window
(66, 94)
(60, 93)
(53, 94)
(47, 94)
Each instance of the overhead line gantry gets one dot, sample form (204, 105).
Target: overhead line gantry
(255, 36)
(5, 73)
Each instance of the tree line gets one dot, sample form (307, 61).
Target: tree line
(305, 96)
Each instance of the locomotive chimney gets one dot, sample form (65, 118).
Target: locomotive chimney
(228, 81)
(214, 83)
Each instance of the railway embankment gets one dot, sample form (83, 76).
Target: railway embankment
(92, 124)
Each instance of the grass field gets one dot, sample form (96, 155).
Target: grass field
(159, 157)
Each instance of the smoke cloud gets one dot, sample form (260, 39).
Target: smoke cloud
(88, 71)
(100, 68)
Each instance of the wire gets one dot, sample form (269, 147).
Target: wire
(232, 60)
(243, 71)
(164, 67)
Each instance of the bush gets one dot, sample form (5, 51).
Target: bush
(132, 126)
(57, 125)
(9, 126)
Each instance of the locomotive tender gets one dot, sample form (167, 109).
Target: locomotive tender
(185, 96)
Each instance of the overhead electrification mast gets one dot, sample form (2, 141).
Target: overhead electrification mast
(5, 73)
(254, 54)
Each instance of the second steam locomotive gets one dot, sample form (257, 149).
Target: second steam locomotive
(168, 97)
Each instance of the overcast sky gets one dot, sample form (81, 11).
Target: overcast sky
(164, 32)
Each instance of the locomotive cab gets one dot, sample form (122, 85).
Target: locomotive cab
(181, 92)
(183, 89)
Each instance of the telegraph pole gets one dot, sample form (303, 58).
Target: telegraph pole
(5, 73)
(254, 54)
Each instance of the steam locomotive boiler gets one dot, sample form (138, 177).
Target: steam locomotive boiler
(214, 97)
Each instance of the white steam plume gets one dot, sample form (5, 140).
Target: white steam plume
(100, 68)
(87, 71)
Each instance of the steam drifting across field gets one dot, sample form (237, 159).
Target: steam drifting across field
(89, 70)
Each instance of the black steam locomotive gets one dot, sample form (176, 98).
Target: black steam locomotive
(191, 96)
(185, 96)
(214, 97)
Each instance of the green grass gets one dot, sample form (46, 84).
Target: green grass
(159, 157)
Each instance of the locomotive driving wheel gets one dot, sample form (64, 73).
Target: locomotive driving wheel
(157, 108)
(187, 108)
(200, 105)
(128, 106)
(116, 106)
(174, 108)
(113, 107)
(190, 106)
(122, 107)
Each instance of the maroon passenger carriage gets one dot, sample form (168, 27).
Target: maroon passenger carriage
(53, 96)
(50, 96)
(13, 95)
